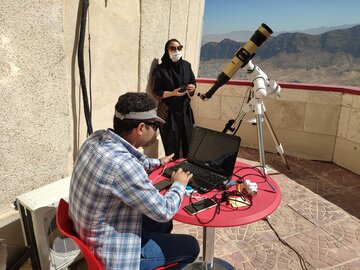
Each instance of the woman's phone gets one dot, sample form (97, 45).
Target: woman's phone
(183, 88)
(199, 206)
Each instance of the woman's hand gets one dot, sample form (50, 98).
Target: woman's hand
(190, 89)
(178, 92)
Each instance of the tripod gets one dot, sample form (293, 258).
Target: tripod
(261, 86)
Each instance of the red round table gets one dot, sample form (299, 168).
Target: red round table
(263, 204)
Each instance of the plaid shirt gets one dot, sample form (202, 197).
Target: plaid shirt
(109, 192)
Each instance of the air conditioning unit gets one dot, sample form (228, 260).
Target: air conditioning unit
(37, 210)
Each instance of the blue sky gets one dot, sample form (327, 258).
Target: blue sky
(223, 16)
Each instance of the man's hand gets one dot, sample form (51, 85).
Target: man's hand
(181, 176)
(165, 160)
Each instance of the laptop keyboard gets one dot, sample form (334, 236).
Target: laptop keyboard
(199, 173)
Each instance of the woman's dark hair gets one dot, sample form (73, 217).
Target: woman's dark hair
(131, 102)
(168, 43)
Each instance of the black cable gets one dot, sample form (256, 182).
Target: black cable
(303, 262)
(237, 193)
(217, 209)
(261, 172)
(237, 125)
(90, 65)
(224, 198)
(87, 111)
(255, 168)
(232, 124)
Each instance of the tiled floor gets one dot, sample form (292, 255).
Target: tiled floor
(316, 226)
(309, 230)
(327, 180)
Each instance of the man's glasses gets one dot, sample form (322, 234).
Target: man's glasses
(174, 48)
(154, 125)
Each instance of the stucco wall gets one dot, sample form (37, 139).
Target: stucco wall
(113, 30)
(41, 103)
(35, 136)
(127, 41)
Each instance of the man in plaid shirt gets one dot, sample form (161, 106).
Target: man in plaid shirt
(115, 208)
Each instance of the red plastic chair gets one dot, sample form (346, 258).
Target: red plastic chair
(65, 226)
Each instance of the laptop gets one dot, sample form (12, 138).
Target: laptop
(211, 158)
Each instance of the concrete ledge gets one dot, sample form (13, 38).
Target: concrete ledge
(314, 122)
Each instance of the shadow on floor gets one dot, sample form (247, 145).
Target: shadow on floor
(335, 184)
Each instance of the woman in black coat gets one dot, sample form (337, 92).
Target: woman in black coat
(174, 83)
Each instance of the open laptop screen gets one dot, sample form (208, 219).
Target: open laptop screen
(214, 150)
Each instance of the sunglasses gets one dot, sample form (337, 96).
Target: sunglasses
(154, 125)
(174, 48)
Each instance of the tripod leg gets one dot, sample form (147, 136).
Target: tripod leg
(278, 145)
(260, 141)
(259, 110)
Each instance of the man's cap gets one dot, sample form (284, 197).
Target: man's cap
(146, 115)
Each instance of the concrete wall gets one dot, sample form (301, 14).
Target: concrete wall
(35, 144)
(310, 124)
(347, 147)
(42, 116)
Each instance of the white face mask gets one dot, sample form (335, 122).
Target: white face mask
(175, 56)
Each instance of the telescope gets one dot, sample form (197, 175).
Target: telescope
(242, 56)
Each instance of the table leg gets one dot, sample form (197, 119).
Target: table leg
(207, 261)
(208, 247)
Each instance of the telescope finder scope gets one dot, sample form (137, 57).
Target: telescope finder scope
(242, 56)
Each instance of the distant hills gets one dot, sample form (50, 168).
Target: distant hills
(244, 35)
(293, 55)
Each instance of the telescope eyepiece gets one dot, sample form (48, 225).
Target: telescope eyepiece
(202, 96)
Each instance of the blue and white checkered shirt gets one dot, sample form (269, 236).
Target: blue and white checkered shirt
(109, 192)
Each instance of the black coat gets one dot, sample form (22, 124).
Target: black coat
(179, 118)
(169, 77)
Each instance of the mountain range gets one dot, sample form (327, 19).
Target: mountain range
(334, 54)
(244, 35)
